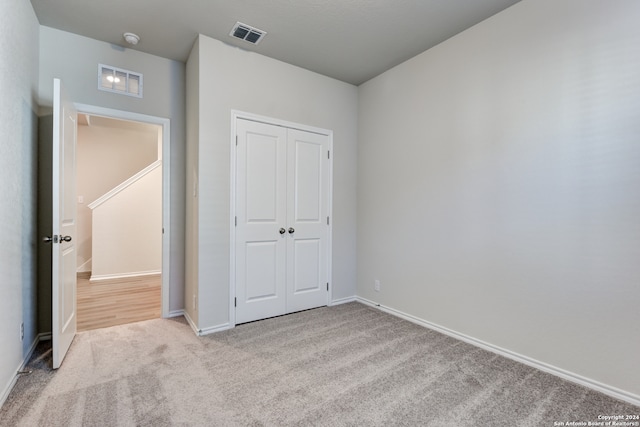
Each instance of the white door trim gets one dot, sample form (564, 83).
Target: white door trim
(235, 115)
(166, 184)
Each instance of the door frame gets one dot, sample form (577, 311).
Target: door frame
(235, 115)
(166, 185)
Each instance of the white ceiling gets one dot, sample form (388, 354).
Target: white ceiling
(350, 40)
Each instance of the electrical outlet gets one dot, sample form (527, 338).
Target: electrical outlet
(376, 285)
(21, 331)
(194, 302)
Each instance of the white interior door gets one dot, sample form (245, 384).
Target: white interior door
(307, 219)
(261, 218)
(282, 199)
(64, 224)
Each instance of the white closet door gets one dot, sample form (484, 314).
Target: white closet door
(282, 199)
(261, 216)
(307, 212)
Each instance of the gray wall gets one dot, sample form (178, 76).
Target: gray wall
(191, 192)
(18, 184)
(499, 186)
(74, 59)
(231, 78)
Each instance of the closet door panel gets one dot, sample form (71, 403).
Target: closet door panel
(307, 211)
(261, 213)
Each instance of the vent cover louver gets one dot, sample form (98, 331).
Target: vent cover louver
(247, 33)
(117, 80)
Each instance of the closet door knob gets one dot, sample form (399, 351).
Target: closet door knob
(282, 231)
(291, 230)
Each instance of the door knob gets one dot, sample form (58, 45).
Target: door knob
(54, 239)
(291, 230)
(282, 231)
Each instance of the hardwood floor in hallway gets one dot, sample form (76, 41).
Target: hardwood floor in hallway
(117, 301)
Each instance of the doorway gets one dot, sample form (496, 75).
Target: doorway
(119, 221)
(57, 218)
(123, 217)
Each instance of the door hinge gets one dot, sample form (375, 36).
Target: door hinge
(328, 154)
(327, 286)
(236, 221)
(236, 140)
(162, 230)
(327, 220)
(235, 302)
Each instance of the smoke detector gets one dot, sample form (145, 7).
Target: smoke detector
(131, 38)
(247, 33)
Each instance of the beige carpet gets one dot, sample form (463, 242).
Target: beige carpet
(348, 365)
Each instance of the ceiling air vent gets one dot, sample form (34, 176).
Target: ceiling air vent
(247, 33)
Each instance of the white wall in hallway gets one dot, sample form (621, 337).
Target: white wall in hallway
(106, 157)
(127, 229)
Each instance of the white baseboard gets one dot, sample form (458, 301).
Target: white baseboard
(213, 329)
(175, 313)
(97, 278)
(545, 367)
(23, 363)
(206, 331)
(191, 323)
(343, 300)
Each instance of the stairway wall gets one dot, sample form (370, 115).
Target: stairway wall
(127, 230)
